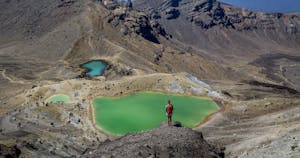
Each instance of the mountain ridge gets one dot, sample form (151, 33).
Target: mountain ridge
(205, 18)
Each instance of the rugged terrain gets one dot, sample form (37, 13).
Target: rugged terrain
(248, 60)
(246, 41)
(164, 141)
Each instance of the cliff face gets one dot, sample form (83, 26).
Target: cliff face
(224, 29)
(135, 22)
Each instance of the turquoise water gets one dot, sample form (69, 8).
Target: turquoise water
(59, 98)
(146, 110)
(95, 67)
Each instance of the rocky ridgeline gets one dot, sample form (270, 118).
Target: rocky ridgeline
(130, 22)
(210, 13)
(164, 141)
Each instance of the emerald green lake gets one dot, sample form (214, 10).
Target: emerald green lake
(144, 110)
(94, 68)
(59, 98)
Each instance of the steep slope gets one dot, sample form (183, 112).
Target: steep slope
(29, 18)
(35, 35)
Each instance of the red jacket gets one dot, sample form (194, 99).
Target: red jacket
(169, 108)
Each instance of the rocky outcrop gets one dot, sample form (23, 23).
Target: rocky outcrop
(9, 152)
(275, 88)
(172, 3)
(164, 141)
(110, 4)
(172, 13)
(224, 31)
(207, 14)
(135, 22)
(210, 13)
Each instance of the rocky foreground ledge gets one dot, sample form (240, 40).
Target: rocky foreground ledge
(164, 141)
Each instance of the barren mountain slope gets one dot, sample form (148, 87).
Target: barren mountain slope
(241, 39)
(222, 29)
(49, 33)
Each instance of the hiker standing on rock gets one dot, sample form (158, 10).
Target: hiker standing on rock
(169, 111)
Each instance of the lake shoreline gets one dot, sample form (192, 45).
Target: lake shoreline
(208, 102)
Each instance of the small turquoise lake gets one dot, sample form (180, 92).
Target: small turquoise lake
(145, 110)
(59, 98)
(94, 68)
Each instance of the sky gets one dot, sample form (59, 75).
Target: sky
(281, 6)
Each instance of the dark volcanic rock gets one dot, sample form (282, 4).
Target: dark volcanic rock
(204, 21)
(272, 69)
(226, 21)
(219, 13)
(164, 141)
(172, 13)
(154, 14)
(172, 3)
(273, 86)
(138, 23)
(110, 4)
(11, 152)
(208, 14)
(205, 5)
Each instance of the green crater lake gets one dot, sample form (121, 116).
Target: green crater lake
(59, 98)
(94, 68)
(146, 110)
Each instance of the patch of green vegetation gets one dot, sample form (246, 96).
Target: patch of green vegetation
(144, 110)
